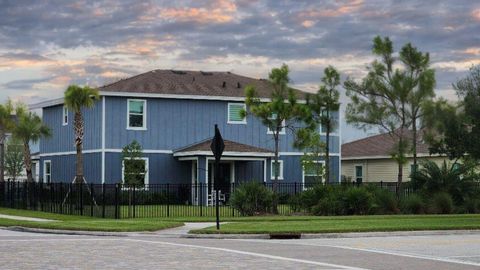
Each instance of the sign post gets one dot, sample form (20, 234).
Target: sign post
(217, 146)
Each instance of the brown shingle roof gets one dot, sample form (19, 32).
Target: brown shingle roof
(230, 146)
(378, 145)
(192, 83)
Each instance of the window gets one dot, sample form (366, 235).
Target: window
(47, 171)
(333, 123)
(65, 116)
(313, 173)
(413, 169)
(234, 113)
(137, 115)
(138, 164)
(358, 173)
(276, 169)
(282, 131)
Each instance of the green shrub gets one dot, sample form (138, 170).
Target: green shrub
(252, 198)
(384, 202)
(441, 203)
(413, 204)
(471, 206)
(329, 205)
(357, 201)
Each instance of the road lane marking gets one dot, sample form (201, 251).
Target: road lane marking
(409, 255)
(250, 254)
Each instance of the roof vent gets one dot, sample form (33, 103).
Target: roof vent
(224, 84)
(238, 85)
(206, 73)
(179, 72)
(193, 79)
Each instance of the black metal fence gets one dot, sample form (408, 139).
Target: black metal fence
(154, 200)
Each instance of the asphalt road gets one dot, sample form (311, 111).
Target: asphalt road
(19, 250)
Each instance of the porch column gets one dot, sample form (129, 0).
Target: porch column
(267, 163)
(202, 179)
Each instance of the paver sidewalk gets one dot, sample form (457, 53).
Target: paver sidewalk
(26, 218)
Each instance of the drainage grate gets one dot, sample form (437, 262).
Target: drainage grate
(285, 236)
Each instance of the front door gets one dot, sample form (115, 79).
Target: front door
(225, 178)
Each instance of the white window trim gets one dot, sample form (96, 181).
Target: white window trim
(355, 172)
(146, 182)
(272, 176)
(282, 132)
(244, 121)
(303, 171)
(45, 171)
(64, 116)
(144, 114)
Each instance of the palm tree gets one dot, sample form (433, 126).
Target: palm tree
(77, 98)
(6, 124)
(29, 129)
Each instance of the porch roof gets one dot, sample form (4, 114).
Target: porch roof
(231, 149)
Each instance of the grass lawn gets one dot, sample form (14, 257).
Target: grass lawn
(350, 224)
(67, 222)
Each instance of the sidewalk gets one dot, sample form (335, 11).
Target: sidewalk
(26, 218)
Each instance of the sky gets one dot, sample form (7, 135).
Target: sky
(47, 45)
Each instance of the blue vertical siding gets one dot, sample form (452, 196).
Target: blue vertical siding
(248, 171)
(163, 168)
(62, 139)
(63, 167)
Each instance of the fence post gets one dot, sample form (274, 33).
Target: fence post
(117, 186)
(133, 201)
(61, 197)
(201, 199)
(103, 200)
(92, 193)
(168, 200)
(81, 199)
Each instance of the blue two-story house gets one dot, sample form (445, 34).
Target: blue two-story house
(172, 115)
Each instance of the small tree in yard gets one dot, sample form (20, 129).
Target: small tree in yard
(133, 164)
(321, 105)
(14, 158)
(29, 129)
(6, 125)
(314, 151)
(277, 114)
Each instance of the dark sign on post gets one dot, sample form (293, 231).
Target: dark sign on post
(217, 146)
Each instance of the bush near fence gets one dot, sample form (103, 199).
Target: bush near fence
(154, 200)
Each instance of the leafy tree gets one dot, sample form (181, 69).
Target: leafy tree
(133, 164)
(14, 158)
(29, 129)
(388, 97)
(446, 129)
(321, 105)
(76, 99)
(6, 124)
(468, 88)
(314, 151)
(278, 113)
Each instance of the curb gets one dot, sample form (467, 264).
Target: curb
(331, 235)
(66, 232)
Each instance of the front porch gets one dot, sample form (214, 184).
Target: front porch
(240, 163)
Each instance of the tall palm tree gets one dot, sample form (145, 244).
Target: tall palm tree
(6, 124)
(29, 128)
(77, 98)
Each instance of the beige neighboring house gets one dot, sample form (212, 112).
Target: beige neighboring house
(369, 160)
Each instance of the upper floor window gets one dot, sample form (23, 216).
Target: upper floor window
(333, 124)
(282, 131)
(137, 114)
(235, 113)
(65, 116)
(276, 169)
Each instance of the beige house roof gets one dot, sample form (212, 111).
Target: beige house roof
(377, 146)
